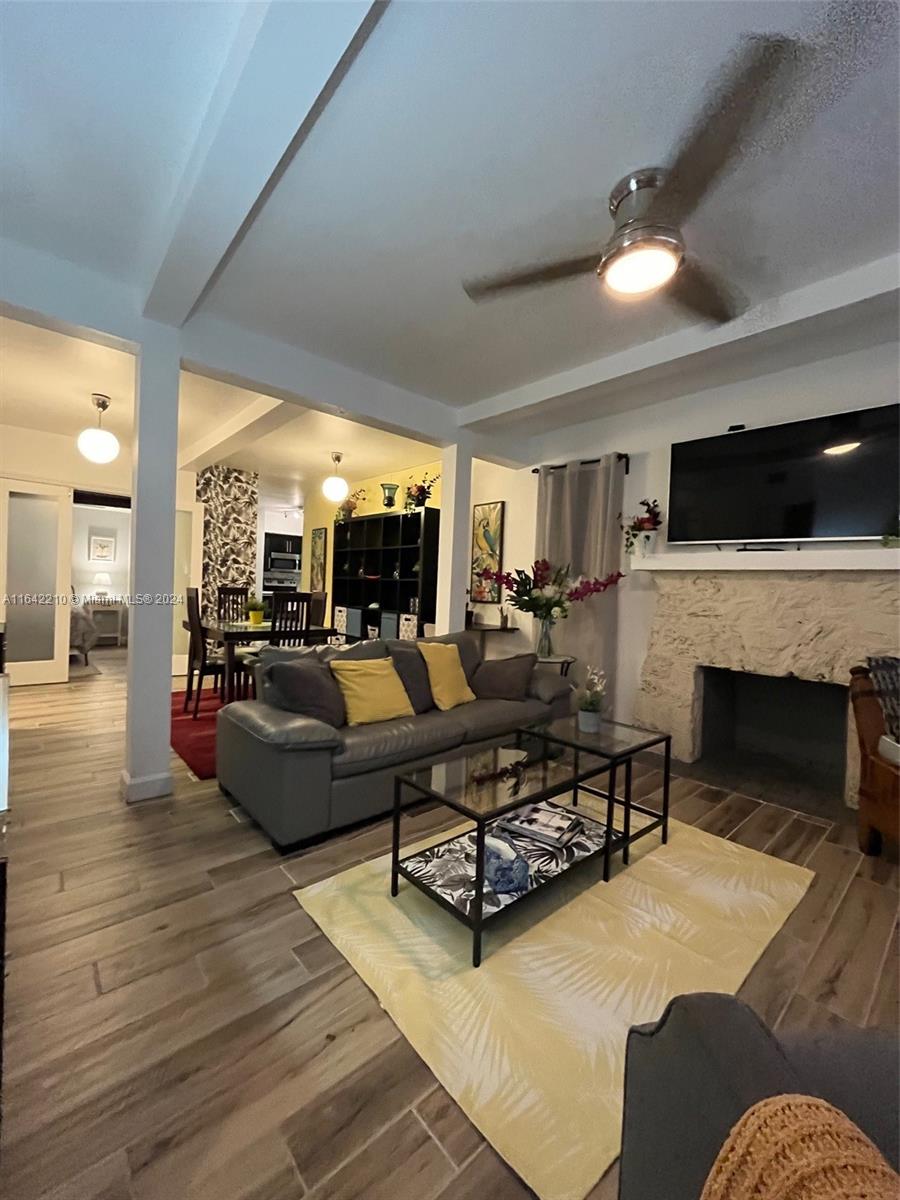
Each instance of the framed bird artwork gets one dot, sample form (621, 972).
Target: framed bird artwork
(487, 550)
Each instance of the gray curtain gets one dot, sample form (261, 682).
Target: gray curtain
(578, 524)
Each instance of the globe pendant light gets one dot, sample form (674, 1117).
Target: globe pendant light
(335, 487)
(98, 445)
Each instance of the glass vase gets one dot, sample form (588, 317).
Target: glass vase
(545, 638)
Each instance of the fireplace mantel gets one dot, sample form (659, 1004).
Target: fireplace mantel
(876, 558)
(815, 624)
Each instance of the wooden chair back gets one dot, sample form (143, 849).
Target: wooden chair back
(318, 602)
(231, 603)
(198, 641)
(290, 618)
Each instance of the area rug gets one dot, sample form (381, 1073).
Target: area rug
(195, 741)
(532, 1044)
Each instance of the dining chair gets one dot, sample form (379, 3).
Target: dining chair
(201, 659)
(231, 602)
(318, 602)
(290, 618)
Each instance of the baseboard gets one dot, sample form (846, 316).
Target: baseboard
(145, 787)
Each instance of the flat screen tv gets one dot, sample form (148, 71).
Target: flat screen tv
(832, 478)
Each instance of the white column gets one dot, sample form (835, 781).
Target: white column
(454, 551)
(147, 752)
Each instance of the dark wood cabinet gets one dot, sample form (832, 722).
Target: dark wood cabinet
(281, 543)
(386, 566)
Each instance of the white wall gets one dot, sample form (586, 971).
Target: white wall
(519, 490)
(860, 379)
(54, 458)
(273, 520)
(88, 519)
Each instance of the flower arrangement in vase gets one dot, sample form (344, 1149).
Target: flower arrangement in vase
(348, 507)
(548, 592)
(640, 530)
(591, 701)
(418, 493)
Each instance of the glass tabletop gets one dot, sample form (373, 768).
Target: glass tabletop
(613, 739)
(485, 783)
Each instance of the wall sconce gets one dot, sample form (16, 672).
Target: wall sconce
(390, 494)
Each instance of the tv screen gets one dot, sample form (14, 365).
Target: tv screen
(832, 477)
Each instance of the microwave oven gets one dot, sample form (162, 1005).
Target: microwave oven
(280, 561)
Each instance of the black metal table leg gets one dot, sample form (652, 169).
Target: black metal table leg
(626, 850)
(395, 838)
(478, 899)
(575, 787)
(610, 820)
(667, 775)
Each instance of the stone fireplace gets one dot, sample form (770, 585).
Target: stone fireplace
(808, 625)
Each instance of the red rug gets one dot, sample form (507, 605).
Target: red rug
(195, 741)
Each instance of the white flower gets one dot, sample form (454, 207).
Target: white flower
(536, 593)
(556, 613)
(549, 590)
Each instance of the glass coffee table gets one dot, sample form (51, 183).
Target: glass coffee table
(486, 785)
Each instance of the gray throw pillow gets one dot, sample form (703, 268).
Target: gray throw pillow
(410, 666)
(504, 678)
(308, 688)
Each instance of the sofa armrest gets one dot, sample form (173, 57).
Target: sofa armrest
(277, 727)
(548, 685)
(689, 1079)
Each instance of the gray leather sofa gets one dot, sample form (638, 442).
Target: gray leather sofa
(692, 1075)
(300, 778)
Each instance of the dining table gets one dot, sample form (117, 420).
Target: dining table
(231, 634)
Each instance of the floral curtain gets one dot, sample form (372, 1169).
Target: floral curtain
(578, 524)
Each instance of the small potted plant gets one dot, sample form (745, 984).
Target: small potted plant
(418, 493)
(641, 530)
(348, 507)
(591, 701)
(255, 609)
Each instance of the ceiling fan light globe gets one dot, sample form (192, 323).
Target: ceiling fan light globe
(335, 488)
(98, 445)
(641, 268)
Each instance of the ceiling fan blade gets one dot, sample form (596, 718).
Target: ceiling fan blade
(697, 290)
(769, 91)
(533, 276)
(734, 109)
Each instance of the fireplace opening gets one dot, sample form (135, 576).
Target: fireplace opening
(787, 733)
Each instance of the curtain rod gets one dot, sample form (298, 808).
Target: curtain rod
(585, 462)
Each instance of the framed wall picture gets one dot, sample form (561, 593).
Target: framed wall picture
(487, 550)
(317, 560)
(101, 547)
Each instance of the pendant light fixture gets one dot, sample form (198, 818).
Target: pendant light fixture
(98, 445)
(335, 487)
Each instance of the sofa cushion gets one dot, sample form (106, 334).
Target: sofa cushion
(307, 687)
(548, 685)
(410, 666)
(356, 651)
(446, 676)
(372, 690)
(389, 743)
(504, 678)
(490, 718)
(469, 649)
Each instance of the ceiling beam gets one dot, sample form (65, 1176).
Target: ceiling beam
(863, 283)
(285, 64)
(261, 416)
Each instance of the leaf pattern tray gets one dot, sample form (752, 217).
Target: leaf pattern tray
(448, 869)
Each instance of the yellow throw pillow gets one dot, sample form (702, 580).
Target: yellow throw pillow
(445, 674)
(372, 690)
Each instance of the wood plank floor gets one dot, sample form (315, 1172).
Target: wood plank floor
(178, 1030)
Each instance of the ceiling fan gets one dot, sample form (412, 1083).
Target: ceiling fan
(768, 90)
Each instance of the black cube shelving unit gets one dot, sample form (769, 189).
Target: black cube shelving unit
(386, 564)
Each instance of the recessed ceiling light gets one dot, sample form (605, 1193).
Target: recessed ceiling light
(842, 448)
